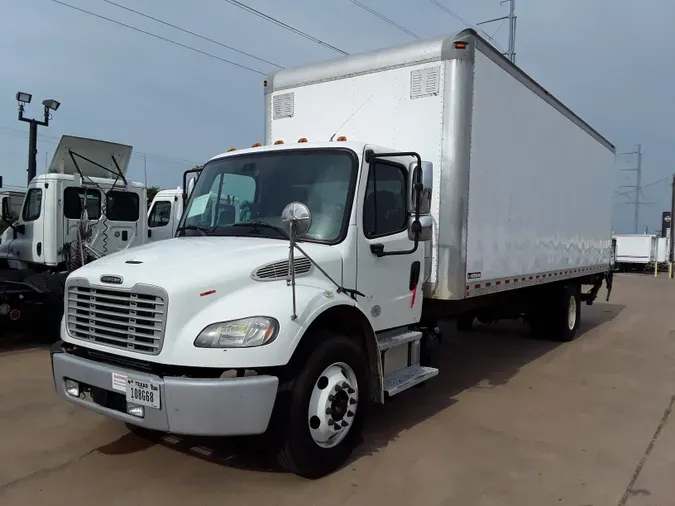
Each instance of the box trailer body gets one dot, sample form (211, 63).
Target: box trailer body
(635, 250)
(308, 276)
(522, 182)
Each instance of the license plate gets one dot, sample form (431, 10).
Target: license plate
(143, 393)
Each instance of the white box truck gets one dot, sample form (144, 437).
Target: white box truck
(395, 188)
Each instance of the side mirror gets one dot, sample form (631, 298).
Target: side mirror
(297, 219)
(427, 178)
(6, 213)
(190, 186)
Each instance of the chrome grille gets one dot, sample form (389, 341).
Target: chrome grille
(278, 270)
(130, 319)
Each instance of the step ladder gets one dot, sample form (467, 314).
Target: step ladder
(400, 354)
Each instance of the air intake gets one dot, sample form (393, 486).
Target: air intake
(280, 270)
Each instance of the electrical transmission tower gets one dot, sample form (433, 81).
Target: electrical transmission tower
(638, 185)
(511, 51)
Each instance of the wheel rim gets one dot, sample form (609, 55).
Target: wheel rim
(572, 313)
(332, 406)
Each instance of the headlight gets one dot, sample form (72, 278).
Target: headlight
(254, 331)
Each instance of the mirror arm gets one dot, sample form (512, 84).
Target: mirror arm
(418, 187)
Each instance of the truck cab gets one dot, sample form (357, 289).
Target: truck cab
(164, 214)
(297, 246)
(81, 209)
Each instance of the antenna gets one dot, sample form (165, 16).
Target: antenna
(350, 117)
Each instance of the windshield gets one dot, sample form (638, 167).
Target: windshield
(256, 187)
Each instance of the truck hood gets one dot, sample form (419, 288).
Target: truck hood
(194, 265)
(101, 152)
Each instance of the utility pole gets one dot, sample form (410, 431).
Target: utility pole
(638, 185)
(512, 18)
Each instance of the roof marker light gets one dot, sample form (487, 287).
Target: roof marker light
(302, 139)
(256, 145)
(276, 143)
(231, 149)
(342, 138)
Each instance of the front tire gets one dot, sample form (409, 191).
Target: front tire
(324, 413)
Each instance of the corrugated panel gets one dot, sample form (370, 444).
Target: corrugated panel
(284, 106)
(425, 82)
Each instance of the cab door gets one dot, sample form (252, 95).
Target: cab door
(161, 219)
(392, 284)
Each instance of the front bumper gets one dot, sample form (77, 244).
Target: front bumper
(188, 406)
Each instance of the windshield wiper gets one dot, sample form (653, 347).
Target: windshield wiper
(191, 227)
(256, 225)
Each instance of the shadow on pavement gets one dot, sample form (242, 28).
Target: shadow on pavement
(487, 357)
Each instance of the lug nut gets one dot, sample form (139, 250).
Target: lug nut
(331, 397)
(352, 401)
(350, 390)
(328, 411)
(330, 421)
(338, 388)
(345, 385)
(344, 424)
(350, 413)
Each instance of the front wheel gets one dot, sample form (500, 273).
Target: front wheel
(325, 414)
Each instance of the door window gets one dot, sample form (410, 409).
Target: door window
(122, 206)
(74, 199)
(33, 206)
(384, 208)
(160, 216)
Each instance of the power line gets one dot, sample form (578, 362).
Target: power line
(147, 16)
(385, 19)
(632, 192)
(461, 19)
(275, 21)
(170, 41)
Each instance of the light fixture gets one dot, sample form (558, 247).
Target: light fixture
(52, 104)
(23, 97)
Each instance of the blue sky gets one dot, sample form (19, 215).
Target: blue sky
(607, 60)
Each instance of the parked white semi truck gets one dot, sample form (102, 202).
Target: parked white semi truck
(396, 188)
(83, 208)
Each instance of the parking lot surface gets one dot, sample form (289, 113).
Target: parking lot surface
(509, 420)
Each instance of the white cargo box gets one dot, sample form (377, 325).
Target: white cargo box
(522, 191)
(636, 248)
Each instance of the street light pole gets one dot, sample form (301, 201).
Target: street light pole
(49, 104)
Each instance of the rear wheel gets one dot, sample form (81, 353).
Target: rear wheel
(322, 417)
(558, 314)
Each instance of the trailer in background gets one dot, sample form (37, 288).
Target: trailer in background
(635, 252)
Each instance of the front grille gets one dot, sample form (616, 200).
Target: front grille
(133, 320)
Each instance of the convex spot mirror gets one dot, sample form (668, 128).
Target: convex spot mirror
(297, 216)
(427, 179)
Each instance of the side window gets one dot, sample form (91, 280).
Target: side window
(33, 205)
(74, 199)
(122, 206)
(160, 216)
(384, 208)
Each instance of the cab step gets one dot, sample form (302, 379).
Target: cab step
(400, 358)
(397, 337)
(403, 379)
